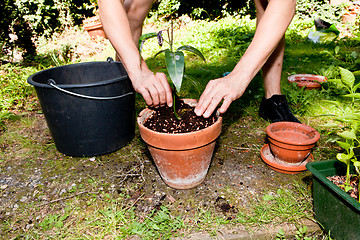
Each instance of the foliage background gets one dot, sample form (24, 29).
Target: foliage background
(31, 19)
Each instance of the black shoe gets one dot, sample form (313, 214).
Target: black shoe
(276, 109)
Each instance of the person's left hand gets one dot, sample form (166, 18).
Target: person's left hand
(227, 88)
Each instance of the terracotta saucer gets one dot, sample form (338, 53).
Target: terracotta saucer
(281, 166)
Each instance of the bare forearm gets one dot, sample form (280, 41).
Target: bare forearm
(116, 25)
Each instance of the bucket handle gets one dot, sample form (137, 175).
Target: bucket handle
(52, 83)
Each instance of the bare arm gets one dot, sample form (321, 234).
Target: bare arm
(123, 28)
(270, 30)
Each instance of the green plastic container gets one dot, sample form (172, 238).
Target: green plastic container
(336, 211)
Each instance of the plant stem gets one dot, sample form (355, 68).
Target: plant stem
(171, 35)
(348, 172)
(174, 106)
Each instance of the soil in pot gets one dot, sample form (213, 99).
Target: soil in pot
(164, 120)
(340, 182)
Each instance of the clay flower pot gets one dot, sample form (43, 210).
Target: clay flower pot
(309, 81)
(291, 142)
(281, 166)
(182, 159)
(349, 17)
(94, 27)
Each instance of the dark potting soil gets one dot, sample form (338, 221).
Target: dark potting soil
(340, 182)
(164, 120)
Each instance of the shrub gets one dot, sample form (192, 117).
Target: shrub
(30, 19)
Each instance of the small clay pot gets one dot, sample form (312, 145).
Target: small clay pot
(291, 142)
(182, 159)
(309, 81)
(94, 27)
(349, 17)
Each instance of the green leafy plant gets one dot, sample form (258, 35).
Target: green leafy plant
(349, 131)
(54, 220)
(174, 59)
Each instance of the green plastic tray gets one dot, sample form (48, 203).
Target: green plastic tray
(335, 210)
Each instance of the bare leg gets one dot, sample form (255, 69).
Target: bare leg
(274, 106)
(136, 11)
(272, 69)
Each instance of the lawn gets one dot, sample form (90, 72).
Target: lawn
(48, 195)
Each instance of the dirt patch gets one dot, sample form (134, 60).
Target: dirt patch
(33, 172)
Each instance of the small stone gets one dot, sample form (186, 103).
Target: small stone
(3, 187)
(92, 159)
(28, 226)
(62, 191)
(170, 198)
(35, 192)
(23, 199)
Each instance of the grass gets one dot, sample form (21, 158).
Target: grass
(91, 208)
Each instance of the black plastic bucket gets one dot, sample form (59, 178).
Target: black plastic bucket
(89, 107)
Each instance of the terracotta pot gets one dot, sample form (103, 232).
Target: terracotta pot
(94, 27)
(291, 142)
(309, 81)
(182, 159)
(349, 17)
(280, 166)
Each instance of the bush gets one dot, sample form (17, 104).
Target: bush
(319, 9)
(30, 19)
(203, 9)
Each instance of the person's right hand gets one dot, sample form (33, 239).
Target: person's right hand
(154, 88)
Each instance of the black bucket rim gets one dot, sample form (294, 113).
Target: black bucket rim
(105, 82)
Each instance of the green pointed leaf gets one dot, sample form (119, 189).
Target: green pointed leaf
(348, 117)
(330, 125)
(336, 103)
(338, 83)
(145, 37)
(344, 145)
(343, 157)
(353, 95)
(357, 85)
(357, 163)
(357, 73)
(348, 134)
(191, 49)
(175, 64)
(347, 77)
(347, 188)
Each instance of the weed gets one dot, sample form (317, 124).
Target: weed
(349, 133)
(301, 99)
(54, 221)
(14, 91)
(283, 206)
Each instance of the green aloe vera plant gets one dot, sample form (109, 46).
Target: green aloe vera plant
(349, 132)
(174, 59)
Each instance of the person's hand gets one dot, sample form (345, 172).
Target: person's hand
(227, 88)
(154, 88)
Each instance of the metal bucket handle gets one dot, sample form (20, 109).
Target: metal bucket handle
(52, 83)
